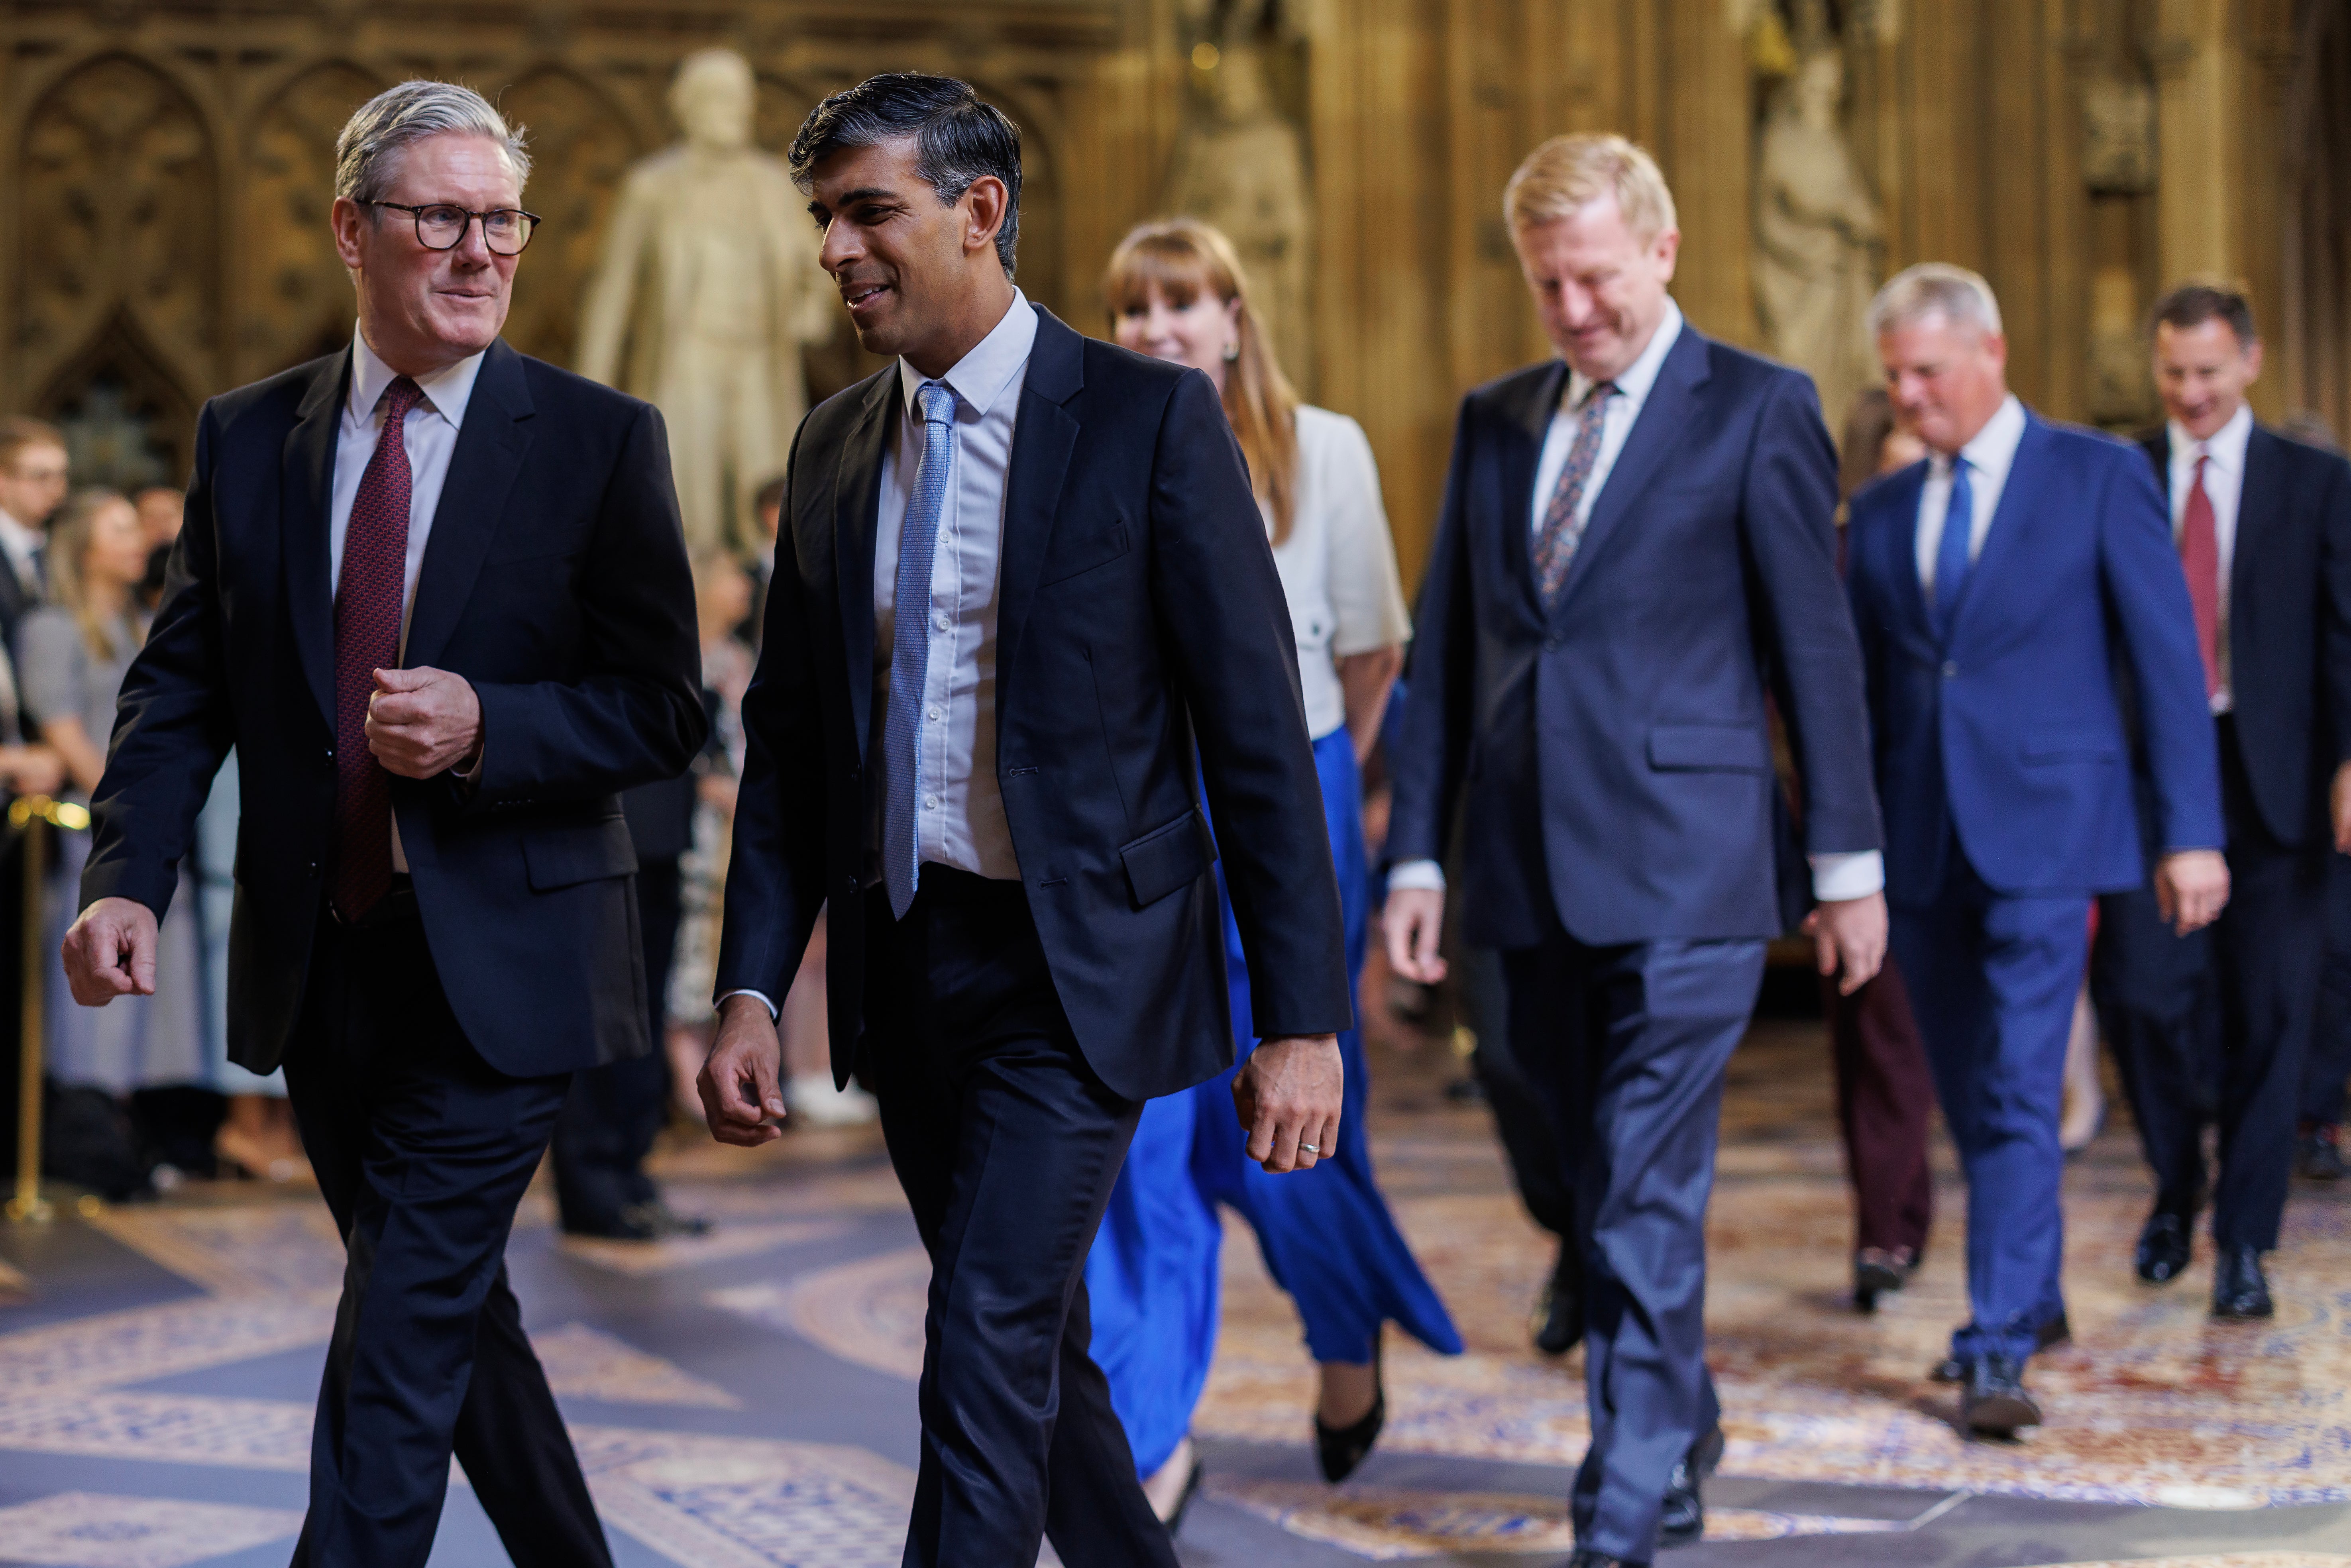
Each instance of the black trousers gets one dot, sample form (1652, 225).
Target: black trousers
(1628, 1047)
(1006, 1146)
(422, 1150)
(2328, 1065)
(2214, 1027)
(616, 1110)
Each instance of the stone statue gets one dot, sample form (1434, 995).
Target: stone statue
(707, 290)
(1243, 168)
(1817, 229)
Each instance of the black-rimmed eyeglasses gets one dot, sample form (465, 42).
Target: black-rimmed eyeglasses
(441, 225)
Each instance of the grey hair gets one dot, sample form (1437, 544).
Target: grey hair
(1934, 288)
(368, 153)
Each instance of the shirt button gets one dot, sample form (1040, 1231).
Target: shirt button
(934, 713)
(944, 623)
(1950, 669)
(930, 803)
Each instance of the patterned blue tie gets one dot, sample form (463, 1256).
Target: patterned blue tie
(910, 651)
(1951, 554)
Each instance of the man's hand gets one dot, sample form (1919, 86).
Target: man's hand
(111, 952)
(737, 1081)
(1414, 921)
(2339, 807)
(2191, 888)
(32, 770)
(423, 722)
(1288, 1095)
(1849, 934)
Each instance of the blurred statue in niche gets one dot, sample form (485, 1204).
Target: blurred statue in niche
(708, 291)
(1243, 168)
(1817, 231)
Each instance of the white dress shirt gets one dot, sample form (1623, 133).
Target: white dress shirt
(1989, 455)
(2224, 485)
(17, 544)
(430, 435)
(962, 821)
(1338, 566)
(1836, 877)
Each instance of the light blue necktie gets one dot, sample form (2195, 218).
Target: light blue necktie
(910, 651)
(1951, 555)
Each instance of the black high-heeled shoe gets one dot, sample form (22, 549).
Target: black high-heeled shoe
(1340, 1448)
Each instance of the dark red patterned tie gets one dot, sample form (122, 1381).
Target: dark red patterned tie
(367, 603)
(2200, 557)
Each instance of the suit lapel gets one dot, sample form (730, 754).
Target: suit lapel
(2257, 511)
(2010, 519)
(1664, 415)
(857, 497)
(482, 469)
(1522, 462)
(1043, 436)
(305, 473)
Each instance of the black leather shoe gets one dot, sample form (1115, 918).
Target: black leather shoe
(2240, 1288)
(1587, 1558)
(1994, 1402)
(2318, 1152)
(1683, 1519)
(2056, 1330)
(1559, 1315)
(2163, 1246)
(1340, 1450)
(1877, 1272)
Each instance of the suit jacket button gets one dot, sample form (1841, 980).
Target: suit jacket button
(855, 773)
(1951, 668)
(849, 883)
(1551, 643)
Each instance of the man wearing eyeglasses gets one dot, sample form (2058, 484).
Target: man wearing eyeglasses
(436, 596)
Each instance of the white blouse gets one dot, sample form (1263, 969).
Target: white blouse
(1338, 566)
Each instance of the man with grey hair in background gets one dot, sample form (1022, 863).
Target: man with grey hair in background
(436, 595)
(1999, 586)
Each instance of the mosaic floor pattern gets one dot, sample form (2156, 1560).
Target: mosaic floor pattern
(744, 1399)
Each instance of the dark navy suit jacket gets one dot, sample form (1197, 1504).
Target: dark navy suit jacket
(2289, 627)
(2009, 730)
(555, 581)
(1139, 615)
(1615, 750)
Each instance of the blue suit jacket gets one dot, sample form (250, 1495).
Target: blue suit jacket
(555, 581)
(1615, 750)
(2007, 729)
(1141, 624)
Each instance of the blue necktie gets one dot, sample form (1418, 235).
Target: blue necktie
(1951, 554)
(910, 651)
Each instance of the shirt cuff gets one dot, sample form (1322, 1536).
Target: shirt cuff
(1855, 875)
(1416, 874)
(773, 1011)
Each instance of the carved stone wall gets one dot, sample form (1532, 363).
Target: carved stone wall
(163, 233)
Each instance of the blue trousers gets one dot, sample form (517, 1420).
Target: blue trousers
(1992, 980)
(1326, 1233)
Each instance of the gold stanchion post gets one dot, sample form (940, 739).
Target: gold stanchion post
(34, 815)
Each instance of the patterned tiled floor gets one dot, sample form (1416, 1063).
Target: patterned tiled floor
(745, 1400)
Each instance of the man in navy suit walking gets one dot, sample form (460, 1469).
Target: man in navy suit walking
(2264, 531)
(1636, 546)
(1997, 586)
(1024, 615)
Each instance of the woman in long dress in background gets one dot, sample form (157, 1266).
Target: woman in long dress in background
(1177, 291)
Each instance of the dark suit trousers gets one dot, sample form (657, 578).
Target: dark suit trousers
(2328, 1064)
(422, 1151)
(1628, 1046)
(616, 1110)
(1886, 1100)
(1992, 982)
(2243, 993)
(1006, 1146)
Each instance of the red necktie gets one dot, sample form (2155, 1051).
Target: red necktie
(368, 600)
(2199, 557)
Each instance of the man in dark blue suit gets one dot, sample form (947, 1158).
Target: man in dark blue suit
(1636, 553)
(999, 796)
(436, 595)
(2263, 526)
(1997, 587)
